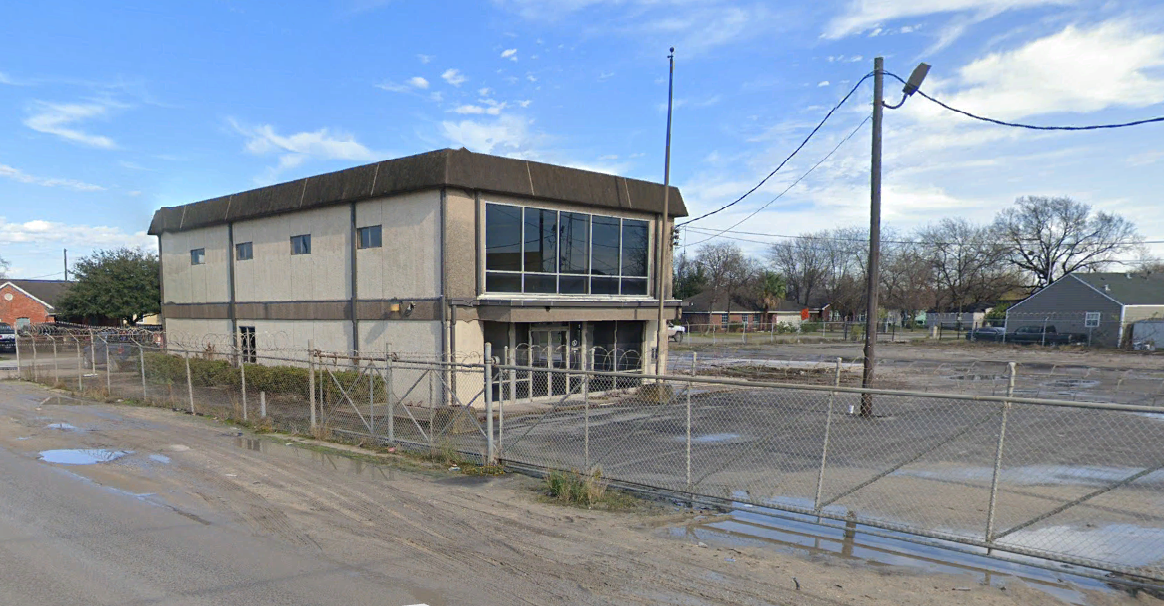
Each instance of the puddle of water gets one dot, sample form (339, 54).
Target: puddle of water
(715, 438)
(798, 534)
(333, 462)
(977, 377)
(81, 456)
(61, 427)
(160, 458)
(1072, 383)
(1034, 475)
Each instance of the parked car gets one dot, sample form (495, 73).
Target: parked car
(7, 337)
(986, 333)
(1044, 335)
(676, 333)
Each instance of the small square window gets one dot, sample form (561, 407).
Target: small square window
(198, 256)
(370, 237)
(301, 245)
(244, 251)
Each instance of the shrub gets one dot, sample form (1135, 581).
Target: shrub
(585, 489)
(810, 326)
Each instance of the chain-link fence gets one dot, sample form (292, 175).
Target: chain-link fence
(1075, 482)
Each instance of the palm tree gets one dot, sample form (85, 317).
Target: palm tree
(772, 291)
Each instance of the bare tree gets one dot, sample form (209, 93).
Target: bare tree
(969, 263)
(804, 263)
(1051, 237)
(721, 263)
(4, 267)
(907, 279)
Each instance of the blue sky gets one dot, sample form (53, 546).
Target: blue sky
(109, 112)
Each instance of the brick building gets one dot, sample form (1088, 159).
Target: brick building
(25, 302)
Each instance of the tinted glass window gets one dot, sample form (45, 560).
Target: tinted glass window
(541, 240)
(370, 237)
(634, 247)
(495, 282)
(541, 284)
(244, 251)
(574, 242)
(503, 238)
(603, 286)
(634, 286)
(573, 285)
(301, 245)
(605, 247)
(198, 256)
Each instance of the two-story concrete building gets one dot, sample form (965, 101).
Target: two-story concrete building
(429, 256)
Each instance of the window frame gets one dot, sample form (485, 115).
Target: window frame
(250, 248)
(198, 256)
(379, 240)
(588, 276)
(306, 238)
(725, 319)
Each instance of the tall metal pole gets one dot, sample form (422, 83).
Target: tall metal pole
(66, 265)
(664, 237)
(874, 239)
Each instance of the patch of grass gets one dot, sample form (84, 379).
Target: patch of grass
(590, 490)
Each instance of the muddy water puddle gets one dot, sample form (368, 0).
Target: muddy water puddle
(760, 527)
(337, 463)
(82, 456)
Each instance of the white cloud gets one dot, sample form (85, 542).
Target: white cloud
(297, 148)
(425, 59)
(15, 174)
(437, 96)
(453, 76)
(524, 104)
(864, 15)
(409, 85)
(58, 119)
(1112, 64)
(823, 83)
(485, 92)
(41, 231)
(4, 79)
(508, 135)
(510, 54)
(531, 77)
(605, 76)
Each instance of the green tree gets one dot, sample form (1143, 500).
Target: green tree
(690, 278)
(772, 290)
(121, 283)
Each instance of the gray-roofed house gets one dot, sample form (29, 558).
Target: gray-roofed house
(430, 255)
(26, 302)
(702, 312)
(1102, 305)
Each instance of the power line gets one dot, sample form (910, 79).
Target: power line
(1028, 126)
(793, 184)
(706, 230)
(790, 156)
(57, 273)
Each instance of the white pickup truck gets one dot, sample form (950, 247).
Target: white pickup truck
(676, 333)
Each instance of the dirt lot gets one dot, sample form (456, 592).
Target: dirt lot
(465, 540)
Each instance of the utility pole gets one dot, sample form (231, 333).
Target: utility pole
(66, 265)
(874, 239)
(664, 238)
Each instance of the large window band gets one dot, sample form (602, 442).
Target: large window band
(540, 251)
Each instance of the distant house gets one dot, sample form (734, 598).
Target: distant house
(718, 314)
(970, 316)
(27, 302)
(1101, 305)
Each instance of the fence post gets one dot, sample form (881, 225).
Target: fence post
(189, 381)
(93, 351)
(141, 359)
(311, 380)
(1044, 343)
(56, 366)
(694, 362)
(80, 365)
(19, 372)
(491, 455)
(388, 398)
(689, 487)
(824, 451)
(372, 395)
(998, 456)
(587, 366)
(35, 362)
(108, 370)
(242, 371)
(262, 404)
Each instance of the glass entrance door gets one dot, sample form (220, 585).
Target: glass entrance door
(548, 349)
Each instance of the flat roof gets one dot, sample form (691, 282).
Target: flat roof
(459, 168)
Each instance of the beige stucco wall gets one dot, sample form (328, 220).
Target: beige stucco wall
(197, 334)
(405, 338)
(205, 283)
(289, 338)
(462, 271)
(274, 274)
(408, 263)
